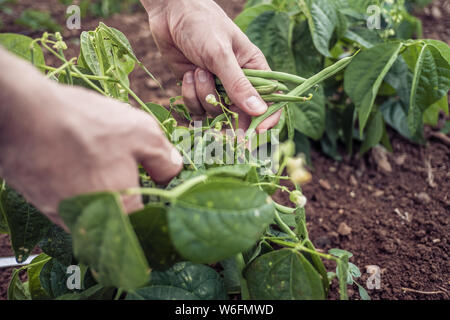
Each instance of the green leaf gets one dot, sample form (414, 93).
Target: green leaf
(38, 21)
(309, 116)
(87, 51)
(218, 219)
(53, 278)
(322, 21)
(362, 292)
(104, 239)
(442, 47)
(161, 113)
(37, 292)
(184, 280)
(57, 244)
(374, 132)
(283, 275)
(363, 36)
(430, 83)
(431, 115)
(339, 253)
(230, 275)
(246, 17)
(308, 60)
(26, 224)
(271, 32)
(317, 263)
(96, 292)
(16, 289)
(365, 74)
(20, 45)
(150, 226)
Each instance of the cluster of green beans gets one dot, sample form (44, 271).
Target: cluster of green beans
(269, 84)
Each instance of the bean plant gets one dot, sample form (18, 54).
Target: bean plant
(395, 81)
(214, 232)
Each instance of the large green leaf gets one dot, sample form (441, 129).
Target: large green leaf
(21, 46)
(322, 20)
(430, 83)
(186, 280)
(374, 132)
(57, 244)
(88, 52)
(431, 115)
(53, 278)
(104, 239)
(308, 60)
(150, 225)
(309, 117)
(26, 224)
(244, 19)
(365, 74)
(395, 114)
(271, 32)
(218, 219)
(283, 275)
(443, 48)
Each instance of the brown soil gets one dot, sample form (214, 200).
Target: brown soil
(398, 221)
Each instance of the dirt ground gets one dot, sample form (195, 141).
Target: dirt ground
(397, 220)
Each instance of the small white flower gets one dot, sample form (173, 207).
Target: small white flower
(211, 99)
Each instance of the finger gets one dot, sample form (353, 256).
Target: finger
(132, 203)
(190, 95)
(270, 122)
(158, 156)
(238, 88)
(204, 86)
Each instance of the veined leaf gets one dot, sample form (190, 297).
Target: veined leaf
(309, 117)
(27, 226)
(20, 45)
(365, 74)
(53, 278)
(150, 225)
(104, 239)
(37, 292)
(186, 280)
(430, 83)
(374, 132)
(246, 17)
(283, 275)
(271, 32)
(322, 21)
(213, 221)
(18, 290)
(431, 115)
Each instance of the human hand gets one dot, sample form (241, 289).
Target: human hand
(197, 39)
(57, 142)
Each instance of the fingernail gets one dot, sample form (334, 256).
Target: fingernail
(256, 105)
(202, 77)
(189, 78)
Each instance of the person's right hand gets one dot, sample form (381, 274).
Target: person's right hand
(57, 142)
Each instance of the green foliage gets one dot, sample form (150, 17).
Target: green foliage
(305, 36)
(184, 281)
(212, 212)
(38, 21)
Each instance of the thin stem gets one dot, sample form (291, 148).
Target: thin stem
(118, 294)
(239, 259)
(75, 75)
(300, 247)
(60, 69)
(284, 209)
(284, 227)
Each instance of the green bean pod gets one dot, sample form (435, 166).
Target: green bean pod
(284, 98)
(275, 75)
(261, 82)
(301, 89)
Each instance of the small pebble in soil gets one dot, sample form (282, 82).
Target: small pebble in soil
(423, 197)
(325, 184)
(344, 229)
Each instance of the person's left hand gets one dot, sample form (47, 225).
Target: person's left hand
(197, 39)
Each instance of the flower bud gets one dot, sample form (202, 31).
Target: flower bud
(298, 198)
(211, 99)
(300, 176)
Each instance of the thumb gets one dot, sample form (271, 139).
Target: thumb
(238, 87)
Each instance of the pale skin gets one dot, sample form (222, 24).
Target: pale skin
(58, 141)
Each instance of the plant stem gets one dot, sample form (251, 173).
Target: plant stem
(75, 75)
(168, 194)
(284, 227)
(300, 247)
(284, 209)
(239, 259)
(118, 294)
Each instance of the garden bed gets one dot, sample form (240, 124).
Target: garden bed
(396, 220)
